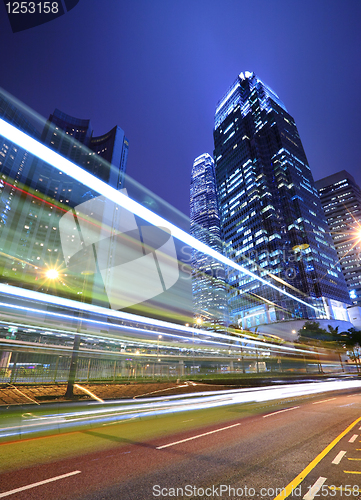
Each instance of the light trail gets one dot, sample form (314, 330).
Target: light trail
(137, 329)
(91, 394)
(64, 165)
(120, 315)
(90, 336)
(97, 414)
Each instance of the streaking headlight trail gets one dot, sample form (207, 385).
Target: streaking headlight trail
(62, 164)
(95, 414)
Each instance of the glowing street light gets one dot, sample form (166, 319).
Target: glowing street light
(52, 274)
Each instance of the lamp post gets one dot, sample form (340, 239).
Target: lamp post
(52, 274)
(75, 353)
(199, 322)
(159, 337)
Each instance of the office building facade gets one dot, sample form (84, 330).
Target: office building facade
(272, 221)
(73, 138)
(208, 285)
(43, 194)
(341, 200)
(15, 168)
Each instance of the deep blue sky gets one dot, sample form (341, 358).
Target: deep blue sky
(157, 68)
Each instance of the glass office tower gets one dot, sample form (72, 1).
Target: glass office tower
(35, 196)
(272, 220)
(341, 200)
(69, 135)
(208, 285)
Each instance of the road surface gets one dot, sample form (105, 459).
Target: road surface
(312, 446)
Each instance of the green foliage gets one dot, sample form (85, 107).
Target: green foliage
(351, 337)
(311, 331)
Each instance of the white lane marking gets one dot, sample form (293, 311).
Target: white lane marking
(338, 457)
(323, 401)
(353, 439)
(280, 411)
(310, 495)
(196, 437)
(34, 485)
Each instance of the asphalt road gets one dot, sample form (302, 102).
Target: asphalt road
(314, 445)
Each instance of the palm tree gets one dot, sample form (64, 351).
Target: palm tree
(352, 338)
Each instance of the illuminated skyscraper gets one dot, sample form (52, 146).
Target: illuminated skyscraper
(69, 135)
(272, 220)
(15, 166)
(341, 201)
(208, 286)
(35, 195)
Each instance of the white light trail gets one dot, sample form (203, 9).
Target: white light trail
(64, 165)
(95, 414)
(120, 315)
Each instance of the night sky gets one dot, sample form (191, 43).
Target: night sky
(157, 68)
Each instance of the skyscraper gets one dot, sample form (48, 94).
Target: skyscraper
(208, 286)
(15, 166)
(271, 216)
(69, 135)
(42, 194)
(341, 200)
(14, 161)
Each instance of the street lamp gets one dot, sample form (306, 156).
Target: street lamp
(52, 274)
(199, 322)
(76, 346)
